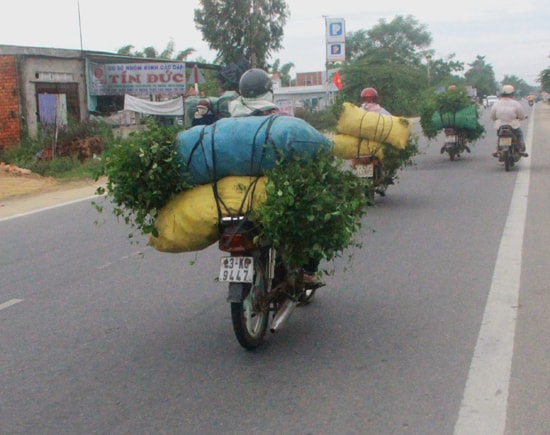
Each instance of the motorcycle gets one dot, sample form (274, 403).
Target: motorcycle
(263, 290)
(508, 151)
(376, 176)
(454, 143)
(531, 102)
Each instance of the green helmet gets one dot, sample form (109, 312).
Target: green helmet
(255, 82)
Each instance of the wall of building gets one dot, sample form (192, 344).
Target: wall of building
(10, 119)
(52, 75)
(314, 78)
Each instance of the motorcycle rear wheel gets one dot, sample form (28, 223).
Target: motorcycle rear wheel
(251, 315)
(452, 154)
(507, 157)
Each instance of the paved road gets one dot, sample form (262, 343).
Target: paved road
(417, 332)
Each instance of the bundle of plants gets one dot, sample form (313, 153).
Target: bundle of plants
(396, 159)
(143, 172)
(313, 208)
(452, 108)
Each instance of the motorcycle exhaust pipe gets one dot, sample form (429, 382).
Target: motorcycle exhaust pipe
(282, 314)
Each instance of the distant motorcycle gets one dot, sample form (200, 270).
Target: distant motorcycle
(508, 151)
(376, 176)
(455, 143)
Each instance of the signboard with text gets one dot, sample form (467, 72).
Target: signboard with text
(336, 52)
(336, 30)
(336, 39)
(137, 78)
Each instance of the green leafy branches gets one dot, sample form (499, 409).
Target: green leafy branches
(447, 104)
(143, 171)
(396, 159)
(313, 208)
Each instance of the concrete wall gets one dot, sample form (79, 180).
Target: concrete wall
(37, 70)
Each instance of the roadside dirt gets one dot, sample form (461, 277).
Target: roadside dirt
(22, 191)
(16, 184)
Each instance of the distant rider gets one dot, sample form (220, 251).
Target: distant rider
(369, 102)
(507, 111)
(204, 114)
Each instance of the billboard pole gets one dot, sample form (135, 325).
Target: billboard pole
(326, 62)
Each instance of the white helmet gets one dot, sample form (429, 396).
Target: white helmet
(507, 90)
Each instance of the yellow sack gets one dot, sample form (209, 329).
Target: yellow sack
(349, 147)
(357, 122)
(189, 221)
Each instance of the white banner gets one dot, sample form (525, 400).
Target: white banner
(166, 108)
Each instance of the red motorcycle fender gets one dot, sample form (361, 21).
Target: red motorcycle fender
(236, 292)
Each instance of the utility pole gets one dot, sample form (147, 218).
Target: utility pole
(80, 26)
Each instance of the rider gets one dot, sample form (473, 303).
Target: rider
(256, 99)
(255, 95)
(507, 111)
(204, 114)
(369, 102)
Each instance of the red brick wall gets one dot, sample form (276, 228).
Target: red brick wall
(309, 79)
(10, 127)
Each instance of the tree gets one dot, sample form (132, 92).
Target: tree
(184, 54)
(152, 53)
(283, 71)
(522, 89)
(389, 58)
(481, 76)
(544, 79)
(440, 71)
(400, 41)
(242, 29)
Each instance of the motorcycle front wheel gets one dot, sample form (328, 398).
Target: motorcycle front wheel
(251, 315)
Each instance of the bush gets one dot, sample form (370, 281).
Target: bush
(313, 208)
(323, 120)
(26, 154)
(143, 172)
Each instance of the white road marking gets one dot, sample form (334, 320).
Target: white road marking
(51, 207)
(10, 303)
(485, 401)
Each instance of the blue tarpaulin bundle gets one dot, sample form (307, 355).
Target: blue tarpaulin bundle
(245, 146)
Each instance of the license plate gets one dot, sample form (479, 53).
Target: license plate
(236, 269)
(505, 141)
(450, 139)
(363, 171)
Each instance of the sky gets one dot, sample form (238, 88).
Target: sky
(513, 36)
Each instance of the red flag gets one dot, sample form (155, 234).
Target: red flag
(337, 80)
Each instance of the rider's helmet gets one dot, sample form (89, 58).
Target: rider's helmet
(369, 95)
(204, 104)
(507, 90)
(255, 82)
